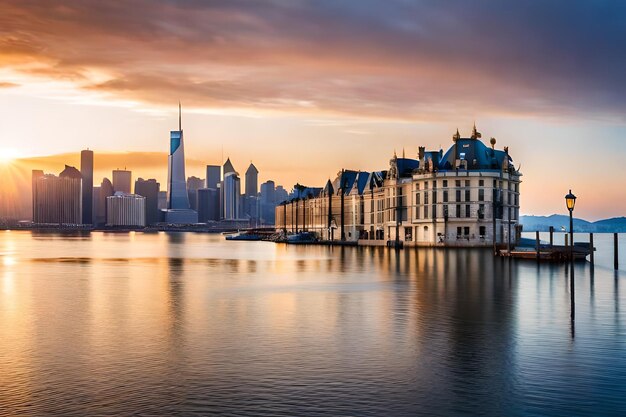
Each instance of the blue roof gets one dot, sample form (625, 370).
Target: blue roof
(477, 155)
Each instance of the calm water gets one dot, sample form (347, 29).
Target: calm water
(183, 324)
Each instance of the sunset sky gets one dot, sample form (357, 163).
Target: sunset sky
(305, 88)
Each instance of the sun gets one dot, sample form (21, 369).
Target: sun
(8, 155)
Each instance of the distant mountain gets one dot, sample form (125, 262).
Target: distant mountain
(543, 223)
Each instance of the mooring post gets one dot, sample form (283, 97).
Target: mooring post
(566, 240)
(537, 244)
(615, 250)
(591, 257)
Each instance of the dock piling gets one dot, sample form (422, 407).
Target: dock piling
(591, 257)
(537, 243)
(615, 252)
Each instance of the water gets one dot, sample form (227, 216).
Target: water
(184, 324)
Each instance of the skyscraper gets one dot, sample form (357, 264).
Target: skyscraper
(268, 202)
(231, 191)
(193, 185)
(178, 210)
(208, 205)
(213, 176)
(86, 170)
(122, 180)
(58, 199)
(150, 190)
(106, 190)
(252, 177)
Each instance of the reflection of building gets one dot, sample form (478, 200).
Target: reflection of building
(468, 196)
(122, 180)
(126, 210)
(178, 209)
(86, 170)
(58, 199)
(150, 190)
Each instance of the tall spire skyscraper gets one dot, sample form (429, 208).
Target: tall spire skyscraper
(177, 198)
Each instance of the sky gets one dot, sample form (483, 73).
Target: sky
(305, 88)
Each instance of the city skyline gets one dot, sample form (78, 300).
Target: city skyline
(305, 89)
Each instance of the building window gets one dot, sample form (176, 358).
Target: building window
(418, 199)
(467, 183)
(481, 183)
(466, 232)
(425, 197)
(458, 195)
(481, 211)
(481, 194)
(434, 184)
(426, 185)
(467, 195)
(482, 231)
(459, 232)
(434, 211)
(417, 186)
(445, 196)
(495, 183)
(434, 197)
(457, 183)
(458, 210)
(445, 183)
(445, 212)
(467, 210)
(425, 212)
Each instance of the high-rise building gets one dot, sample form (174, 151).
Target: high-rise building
(193, 185)
(280, 194)
(213, 176)
(231, 196)
(150, 190)
(162, 200)
(178, 209)
(228, 168)
(105, 190)
(252, 178)
(268, 202)
(58, 199)
(122, 180)
(208, 205)
(126, 210)
(37, 173)
(86, 170)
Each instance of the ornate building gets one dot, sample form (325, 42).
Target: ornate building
(467, 196)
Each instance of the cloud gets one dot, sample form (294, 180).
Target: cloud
(8, 84)
(391, 59)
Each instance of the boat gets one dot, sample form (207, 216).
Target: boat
(302, 237)
(244, 236)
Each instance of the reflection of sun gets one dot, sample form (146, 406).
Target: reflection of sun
(8, 155)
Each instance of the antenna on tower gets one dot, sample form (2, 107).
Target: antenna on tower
(180, 124)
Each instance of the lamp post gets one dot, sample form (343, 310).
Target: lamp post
(570, 202)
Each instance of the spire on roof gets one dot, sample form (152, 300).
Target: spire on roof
(180, 124)
(456, 136)
(475, 134)
(403, 155)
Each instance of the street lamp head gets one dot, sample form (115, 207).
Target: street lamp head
(570, 201)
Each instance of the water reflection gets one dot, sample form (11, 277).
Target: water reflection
(188, 323)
